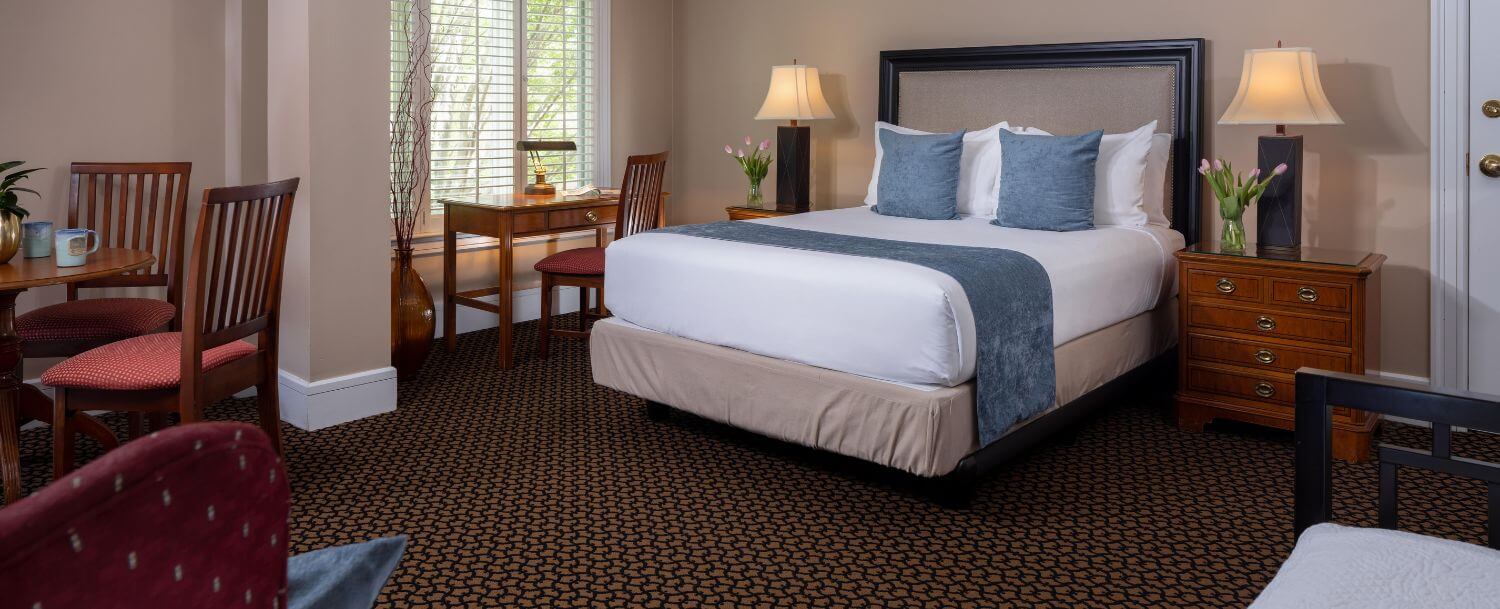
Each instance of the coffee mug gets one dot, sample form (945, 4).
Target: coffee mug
(73, 246)
(36, 239)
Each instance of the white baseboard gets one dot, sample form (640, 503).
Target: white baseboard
(320, 404)
(526, 305)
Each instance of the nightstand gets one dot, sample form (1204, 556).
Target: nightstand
(1248, 321)
(751, 213)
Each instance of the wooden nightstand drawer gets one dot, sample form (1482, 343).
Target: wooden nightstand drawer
(1234, 286)
(587, 216)
(1247, 386)
(1312, 295)
(1260, 322)
(1258, 355)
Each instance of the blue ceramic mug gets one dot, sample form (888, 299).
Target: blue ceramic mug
(73, 246)
(36, 239)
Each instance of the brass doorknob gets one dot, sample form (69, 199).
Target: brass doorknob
(1489, 165)
(1491, 108)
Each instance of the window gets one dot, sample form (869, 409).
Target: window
(503, 71)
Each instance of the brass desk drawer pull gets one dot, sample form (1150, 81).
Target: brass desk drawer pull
(1264, 390)
(1265, 356)
(1265, 323)
(1307, 294)
(1225, 286)
(593, 216)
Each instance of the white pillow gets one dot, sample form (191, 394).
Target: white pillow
(978, 171)
(1119, 175)
(1155, 197)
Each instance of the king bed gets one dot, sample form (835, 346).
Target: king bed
(876, 358)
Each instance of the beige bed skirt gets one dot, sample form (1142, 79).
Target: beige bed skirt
(924, 432)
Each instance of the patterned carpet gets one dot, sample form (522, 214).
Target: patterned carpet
(534, 487)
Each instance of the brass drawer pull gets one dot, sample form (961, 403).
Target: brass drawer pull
(1307, 294)
(1264, 390)
(1265, 356)
(1225, 286)
(1265, 323)
(591, 215)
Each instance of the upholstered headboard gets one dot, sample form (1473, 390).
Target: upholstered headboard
(1064, 89)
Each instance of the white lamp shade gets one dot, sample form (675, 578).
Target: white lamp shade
(795, 94)
(1280, 87)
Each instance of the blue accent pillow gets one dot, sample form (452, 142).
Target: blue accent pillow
(1047, 181)
(342, 577)
(919, 175)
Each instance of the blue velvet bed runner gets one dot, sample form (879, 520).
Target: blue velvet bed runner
(1009, 293)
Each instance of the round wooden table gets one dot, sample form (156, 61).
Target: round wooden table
(20, 402)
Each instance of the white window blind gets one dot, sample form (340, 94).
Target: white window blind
(503, 71)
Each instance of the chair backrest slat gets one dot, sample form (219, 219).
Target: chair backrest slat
(140, 206)
(640, 194)
(234, 276)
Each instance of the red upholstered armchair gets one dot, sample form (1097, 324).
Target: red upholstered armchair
(192, 516)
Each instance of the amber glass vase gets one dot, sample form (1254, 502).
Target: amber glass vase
(413, 319)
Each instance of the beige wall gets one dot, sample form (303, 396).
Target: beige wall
(73, 92)
(1367, 181)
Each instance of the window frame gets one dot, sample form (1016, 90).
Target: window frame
(601, 172)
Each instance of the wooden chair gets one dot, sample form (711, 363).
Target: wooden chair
(640, 210)
(233, 292)
(131, 205)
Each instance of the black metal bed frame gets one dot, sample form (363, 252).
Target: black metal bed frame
(1317, 393)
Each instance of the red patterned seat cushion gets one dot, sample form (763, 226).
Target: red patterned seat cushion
(581, 261)
(95, 319)
(153, 361)
(191, 516)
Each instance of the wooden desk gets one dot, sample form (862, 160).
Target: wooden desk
(507, 217)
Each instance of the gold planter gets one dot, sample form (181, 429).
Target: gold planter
(10, 236)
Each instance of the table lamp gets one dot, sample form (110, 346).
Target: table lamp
(1280, 87)
(534, 149)
(795, 95)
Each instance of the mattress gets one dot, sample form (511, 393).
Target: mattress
(1338, 566)
(882, 319)
(924, 431)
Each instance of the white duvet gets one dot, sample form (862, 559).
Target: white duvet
(882, 319)
(1343, 567)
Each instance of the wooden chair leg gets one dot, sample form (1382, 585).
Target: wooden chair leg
(268, 402)
(136, 426)
(600, 305)
(158, 420)
(62, 435)
(544, 322)
(583, 308)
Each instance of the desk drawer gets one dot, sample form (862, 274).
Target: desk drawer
(1262, 356)
(1245, 386)
(1328, 330)
(584, 216)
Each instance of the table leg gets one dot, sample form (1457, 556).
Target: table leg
(10, 398)
(450, 280)
(507, 278)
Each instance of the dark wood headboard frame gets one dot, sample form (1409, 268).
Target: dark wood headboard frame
(1183, 55)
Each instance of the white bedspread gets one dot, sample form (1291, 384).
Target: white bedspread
(1337, 566)
(883, 319)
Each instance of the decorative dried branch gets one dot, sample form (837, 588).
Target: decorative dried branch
(410, 153)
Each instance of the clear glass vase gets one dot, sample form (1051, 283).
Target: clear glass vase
(753, 200)
(1232, 237)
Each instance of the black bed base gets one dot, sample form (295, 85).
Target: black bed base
(1317, 393)
(1155, 379)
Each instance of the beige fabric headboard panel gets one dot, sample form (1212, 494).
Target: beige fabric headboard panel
(1064, 101)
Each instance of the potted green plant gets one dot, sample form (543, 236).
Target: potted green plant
(11, 211)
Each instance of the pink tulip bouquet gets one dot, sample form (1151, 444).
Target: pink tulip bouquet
(1236, 193)
(755, 165)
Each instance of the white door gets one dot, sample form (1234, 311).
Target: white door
(1484, 198)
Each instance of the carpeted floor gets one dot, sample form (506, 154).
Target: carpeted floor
(534, 487)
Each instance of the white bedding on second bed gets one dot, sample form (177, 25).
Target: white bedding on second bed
(883, 319)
